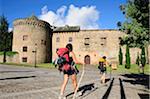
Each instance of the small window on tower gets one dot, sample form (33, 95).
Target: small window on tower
(25, 37)
(42, 42)
(45, 43)
(70, 39)
(57, 39)
(25, 49)
(24, 59)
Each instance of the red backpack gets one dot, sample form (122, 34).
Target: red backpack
(63, 52)
(63, 59)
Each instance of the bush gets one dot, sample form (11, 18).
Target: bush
(120, 56)
(128, 63)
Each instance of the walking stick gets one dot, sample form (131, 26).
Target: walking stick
(74, 96)
(110, 70)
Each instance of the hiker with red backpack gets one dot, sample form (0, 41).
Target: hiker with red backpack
(65, 61)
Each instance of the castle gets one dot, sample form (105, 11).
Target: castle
(37, 40)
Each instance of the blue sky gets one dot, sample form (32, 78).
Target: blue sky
(101, 14)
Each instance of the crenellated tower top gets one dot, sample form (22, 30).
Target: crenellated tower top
(33, 20)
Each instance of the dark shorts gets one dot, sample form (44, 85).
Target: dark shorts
(69, 72)
(102, 70)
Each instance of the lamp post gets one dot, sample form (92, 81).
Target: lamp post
(35, 52)
(5, 50)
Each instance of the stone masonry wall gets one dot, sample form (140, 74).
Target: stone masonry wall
(101, 42)
(38, 38)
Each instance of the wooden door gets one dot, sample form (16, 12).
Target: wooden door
(87, 59)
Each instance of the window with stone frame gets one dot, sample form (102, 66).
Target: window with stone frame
(87, 42)
(57, 39)
(25, 48)
(70, 39)
(42, 42)
(45, 43)
(103, 41)
(25, 37)
(24, 59)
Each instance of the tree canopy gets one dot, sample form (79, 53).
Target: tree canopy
(136, 25)
(5, 35)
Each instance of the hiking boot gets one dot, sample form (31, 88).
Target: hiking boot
(62, 97)
(78, 94)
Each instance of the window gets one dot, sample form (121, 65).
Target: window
(25, 37)
(103, 41)
(25, 49)
(57, 39)
(24, 59)
(70, 39)
(45, 43)
(119, 38)
(42, 42)
(86, 41)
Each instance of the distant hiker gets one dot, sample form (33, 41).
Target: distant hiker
(141, 67)
(66, 61)
(102, 68)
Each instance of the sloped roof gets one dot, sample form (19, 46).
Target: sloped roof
(66, 29)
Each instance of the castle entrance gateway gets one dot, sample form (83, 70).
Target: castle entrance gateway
(87, 59)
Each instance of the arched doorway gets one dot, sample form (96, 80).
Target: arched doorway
(87, 59)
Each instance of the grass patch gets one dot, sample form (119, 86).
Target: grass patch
(134, 69)
(43, 65)
(120, 69)
(46, 65)
(16, 64)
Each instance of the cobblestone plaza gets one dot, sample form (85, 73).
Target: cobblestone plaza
(37, 83)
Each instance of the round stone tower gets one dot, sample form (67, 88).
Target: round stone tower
(32, 40)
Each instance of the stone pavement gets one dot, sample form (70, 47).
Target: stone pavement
(37, 83)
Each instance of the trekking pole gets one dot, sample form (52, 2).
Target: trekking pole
(74, 95)
(110, 70)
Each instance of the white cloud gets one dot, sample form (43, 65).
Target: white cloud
(86, 17)
(44, 10)
(10, 29)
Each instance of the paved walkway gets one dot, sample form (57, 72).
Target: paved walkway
(37, 83)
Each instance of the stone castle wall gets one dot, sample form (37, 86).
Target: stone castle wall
(101, 42)
(35, 35)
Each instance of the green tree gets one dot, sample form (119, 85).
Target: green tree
(128, 63)
(3, 35)
(9, 41)
(136, 25)
(120, 56)
(143, 59)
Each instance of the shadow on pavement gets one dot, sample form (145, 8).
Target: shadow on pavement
(108, 90)
(106, 80)
(122, 90)
(87, 87)
(84, 88)
(144, 96)
(17, 77)
(13, 71)
(141, 79)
